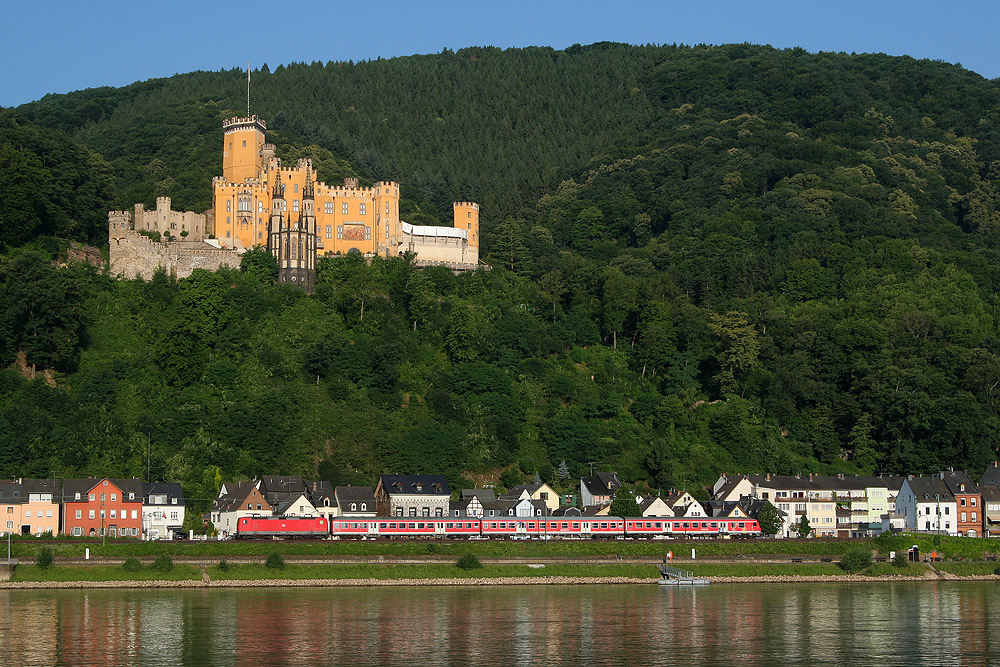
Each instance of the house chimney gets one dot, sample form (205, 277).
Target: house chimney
(910, 477)
(941, 474)
(810, 477)
(768, 477)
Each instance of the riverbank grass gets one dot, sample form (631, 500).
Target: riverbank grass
(102, 573)
(435, 571)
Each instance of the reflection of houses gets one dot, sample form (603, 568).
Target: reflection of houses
(412, 495)
(599, 489)
(97, 507)
(162, 509)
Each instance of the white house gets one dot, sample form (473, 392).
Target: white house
(927, 505)
(162, 510)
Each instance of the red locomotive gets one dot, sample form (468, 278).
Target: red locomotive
(264, 527)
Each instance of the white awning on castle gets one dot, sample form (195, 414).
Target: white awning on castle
(427, 230)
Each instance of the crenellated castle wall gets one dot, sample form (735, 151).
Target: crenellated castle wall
(136, 256)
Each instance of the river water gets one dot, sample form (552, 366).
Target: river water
(901, 623)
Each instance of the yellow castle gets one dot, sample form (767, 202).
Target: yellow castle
(260, 202)
(347, 217)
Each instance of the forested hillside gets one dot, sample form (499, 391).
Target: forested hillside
(704, 259)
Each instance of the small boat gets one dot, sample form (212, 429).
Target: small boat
(672, 576)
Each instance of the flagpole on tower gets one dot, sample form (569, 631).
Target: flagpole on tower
(248, 89)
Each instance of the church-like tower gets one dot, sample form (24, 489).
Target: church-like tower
(293, 243)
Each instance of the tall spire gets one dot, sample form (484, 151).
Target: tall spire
(308, 193)
(279, 189)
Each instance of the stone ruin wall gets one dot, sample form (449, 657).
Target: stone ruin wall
(442, 249)
(136, 256)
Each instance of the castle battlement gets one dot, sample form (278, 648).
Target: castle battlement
(235, 123)
(471, 204)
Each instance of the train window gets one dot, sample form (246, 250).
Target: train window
(531, 525)
(685, 524)
(493, 524)
(503, 524)
(364, 526)
(742, 525)
(566, 525)
(449, 525)
(658, 525)
(715, 525)
(354, 526)
(391, 525)
(604, 524)
(412, 526)
(420, 525)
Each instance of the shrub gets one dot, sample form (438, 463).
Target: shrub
(131, 564)
(996, 570)
(469, 562)
(224, 565)
(44, 558)
(162, 564)
(856, 560)
(899, 560)
(275, 561)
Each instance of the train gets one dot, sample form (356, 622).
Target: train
(563, 527)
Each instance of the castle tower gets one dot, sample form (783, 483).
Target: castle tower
(243, 139)
(293, 242)
(467, 218)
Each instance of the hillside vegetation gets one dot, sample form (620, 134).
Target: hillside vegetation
(704, 259)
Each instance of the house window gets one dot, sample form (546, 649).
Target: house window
(973, 517)
(90, 514)
(114, 514)
(972, 501)
(114, 497)
(963, 502)
(399, 511)
(413, 511)
(249, 506)
(258, 505)
(343, 208)
(135, 514)
(91, 497)
(947, 510)
(78, 531)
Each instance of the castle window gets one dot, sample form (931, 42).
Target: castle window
(329, 232)
(260, 235)
(368, 233)
(328, 207)
(343, 208)
(362, 209)
(295, 188)
(244, 143)
(229, 206)
(340, 231)
(469, 214)
(387, 208)
(260, 207)
(227, 231)
(295, 204)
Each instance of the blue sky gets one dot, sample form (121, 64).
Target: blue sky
(61, 46)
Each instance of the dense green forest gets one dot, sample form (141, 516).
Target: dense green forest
(705, 259)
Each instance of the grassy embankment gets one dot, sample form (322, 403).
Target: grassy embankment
(102, 573)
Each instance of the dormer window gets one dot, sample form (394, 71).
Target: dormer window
(354, 507)
(326, 502)
(364, 506)
(419, 487)
(76, 496)
(173, 501)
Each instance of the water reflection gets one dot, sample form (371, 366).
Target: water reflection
(915, 623)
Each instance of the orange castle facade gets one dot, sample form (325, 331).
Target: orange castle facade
(347, 217)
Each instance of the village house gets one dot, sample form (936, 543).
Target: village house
(237, 500)
(927, 505)
(162, 510)
(355, 501)
(969, 510)
(30, 506)
(991, 510)
(599, 489)
(412, 495)
(323, 497)
(536, 491)
(472, 502)
(102, 507)
(653, 506)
